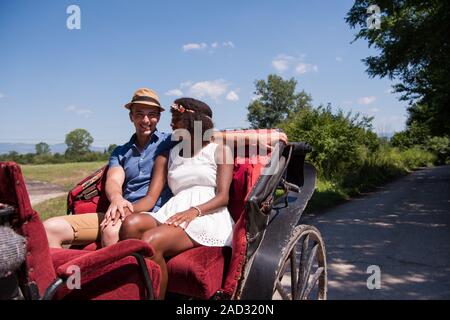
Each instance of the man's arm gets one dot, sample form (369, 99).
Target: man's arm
(113, 188)
(156, 186)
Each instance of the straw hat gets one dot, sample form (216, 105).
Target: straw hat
(145, 96)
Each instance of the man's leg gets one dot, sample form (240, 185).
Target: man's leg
(78, 229)
(59, 232)
(167, 241)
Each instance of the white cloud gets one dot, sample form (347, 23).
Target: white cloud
(212, 89)
(367, 100)
(174, 93)
(1, 95)
(228, 44)
(194, 46)
(215, 45)
(79, 111)
(339, 59)
(374, 110)
(232, 96)
(283, 63)
(303, 68)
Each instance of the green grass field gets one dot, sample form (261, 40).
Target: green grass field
(66, 175)
(52, 208)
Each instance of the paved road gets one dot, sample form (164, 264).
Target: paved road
(404, 228)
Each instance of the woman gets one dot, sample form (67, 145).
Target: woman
(197, 214)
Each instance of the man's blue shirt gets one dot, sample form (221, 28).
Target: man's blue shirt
(138, 166)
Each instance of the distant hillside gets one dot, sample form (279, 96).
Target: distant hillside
(23, 148)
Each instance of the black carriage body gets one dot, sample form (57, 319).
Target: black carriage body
(271, 223)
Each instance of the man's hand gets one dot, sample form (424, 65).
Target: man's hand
(118, 209)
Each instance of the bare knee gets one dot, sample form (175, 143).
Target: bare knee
(58, 231)
(130, 228)
(135, 225)
(110, 234)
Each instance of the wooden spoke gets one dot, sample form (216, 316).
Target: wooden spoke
(312, 283)
(294, 271)
(283, 294)
(308, 269)
(283, 270)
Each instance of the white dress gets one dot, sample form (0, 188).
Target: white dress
(193, 182)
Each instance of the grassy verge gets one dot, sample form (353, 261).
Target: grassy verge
(52, 208)
(377, 170)
(66, 175)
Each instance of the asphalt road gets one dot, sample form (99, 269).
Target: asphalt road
(404, 228)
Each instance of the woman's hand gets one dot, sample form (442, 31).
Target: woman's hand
(184, 217)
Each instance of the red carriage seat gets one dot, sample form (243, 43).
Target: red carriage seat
(203, 272)
(208, 271)
(116, 272)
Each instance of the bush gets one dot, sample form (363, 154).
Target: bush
(440, 146)
(341, 142)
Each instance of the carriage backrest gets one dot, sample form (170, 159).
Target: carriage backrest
(37, 272)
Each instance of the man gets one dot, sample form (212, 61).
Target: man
(128, 177)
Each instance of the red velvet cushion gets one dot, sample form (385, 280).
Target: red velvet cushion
(198, 272)
(121, 280)
(202, 271)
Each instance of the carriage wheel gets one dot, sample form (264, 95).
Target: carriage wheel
(305, 262)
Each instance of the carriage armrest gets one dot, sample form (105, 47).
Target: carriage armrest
(100, 258)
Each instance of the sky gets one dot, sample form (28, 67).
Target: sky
(54, 79)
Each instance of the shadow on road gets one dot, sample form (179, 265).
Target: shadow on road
(403, 229)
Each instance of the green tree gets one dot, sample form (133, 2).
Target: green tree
(111, 148)
(78, 142)
(42, 148)
(414, 48)
(276, 102)
(415, 134)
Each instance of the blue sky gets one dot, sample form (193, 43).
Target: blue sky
(53, 80)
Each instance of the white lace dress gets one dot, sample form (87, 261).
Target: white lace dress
(193, 182)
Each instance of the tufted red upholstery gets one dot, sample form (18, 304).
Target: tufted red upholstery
(119, 279)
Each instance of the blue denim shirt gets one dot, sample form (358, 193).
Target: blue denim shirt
(138, 166)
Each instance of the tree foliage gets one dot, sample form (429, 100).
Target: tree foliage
(276, 101)
(414, 47)
(341, 141)
(42, 148)
(78, 142)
